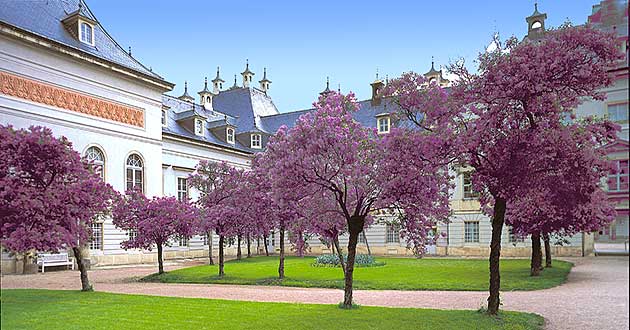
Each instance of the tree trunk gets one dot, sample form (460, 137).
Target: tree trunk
(85, 282)
(547, 251)
(281, 264)
(238, 248)
(210, 261)
(249, 247)
(495, 256)
(355, 226)
(366, 243)
(221, 255)
(257, 246)
(266, 246)
(340, 255)
(536, 263)
(160, 259)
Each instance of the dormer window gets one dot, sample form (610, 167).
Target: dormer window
(229, 136)
(198, 127)
(256, 141)
(86, 33)
(383, 124)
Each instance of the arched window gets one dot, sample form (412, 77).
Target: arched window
(134, 169)
(536, 25)
(96, 158)
(86, 33)
(230, 135)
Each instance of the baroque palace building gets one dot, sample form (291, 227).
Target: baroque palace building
(61, 69)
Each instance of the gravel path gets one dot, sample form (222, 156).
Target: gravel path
(595, 296)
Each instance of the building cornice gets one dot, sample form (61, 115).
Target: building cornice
(179, 138)
(35, 39)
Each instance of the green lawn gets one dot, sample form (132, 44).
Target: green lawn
(397, 274)
(43, 309)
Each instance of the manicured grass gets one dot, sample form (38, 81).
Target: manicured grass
(397, 274)
(43, 309)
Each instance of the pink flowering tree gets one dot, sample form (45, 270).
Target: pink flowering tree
(217, 184)
(330, 152)
(519, 100)
(49, 197)
(155, 222)
(568, 198)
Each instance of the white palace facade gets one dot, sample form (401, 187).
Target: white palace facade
(60, 68)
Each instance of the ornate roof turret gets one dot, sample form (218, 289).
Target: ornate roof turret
(377, 85)
(218, 77)
(433, 71)
(205, 87)
(327, 90)
(264, 83)
(186, 97)
(217, 83)
(535, 24)
(235, 86)
(248, 75)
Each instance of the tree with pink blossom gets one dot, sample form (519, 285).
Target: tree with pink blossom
(518, 103)
(330, 153)
(155, 222)
(49, 197)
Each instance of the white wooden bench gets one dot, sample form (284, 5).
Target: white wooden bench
(54, 259)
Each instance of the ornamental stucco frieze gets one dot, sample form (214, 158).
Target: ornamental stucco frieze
(39, 92)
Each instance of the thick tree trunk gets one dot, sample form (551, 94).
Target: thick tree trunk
(355, 225)
(340, 255)
(495, 256)
(221, 255)
(85, 282)
(238, 248)
(160, 259)
(536, 263)
(249, 247)
(281, 264)
(210, 261)
(266, 246)
(367, 244)
(257, 246)
(547, 251)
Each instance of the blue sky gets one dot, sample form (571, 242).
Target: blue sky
(302, 42)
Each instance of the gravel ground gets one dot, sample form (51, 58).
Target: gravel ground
(594, 297)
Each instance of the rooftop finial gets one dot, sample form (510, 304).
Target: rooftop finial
(129, 50)
(185, 86)
(264, 73)
(536, 6)
(327, 90)
(327, 82)
(376, 73)
(218, 77)
(432, 63)
(246, 64)
(339, 88)
(205, 82)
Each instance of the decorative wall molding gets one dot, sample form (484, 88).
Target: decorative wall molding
(39, 92)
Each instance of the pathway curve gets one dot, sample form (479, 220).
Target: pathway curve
(594, 297)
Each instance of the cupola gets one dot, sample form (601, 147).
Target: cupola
(377, 86)
(247, 75)
(186, 97)
(265, 83)
(326, 91)
(535, 24)
(217, 83)
(205, 96)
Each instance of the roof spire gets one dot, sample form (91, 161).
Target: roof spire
(186, 97)
(432, 63)
(218, 77)
(129, 50)
(235, 86)
(339, 88)
(327, 90)
(376, 73)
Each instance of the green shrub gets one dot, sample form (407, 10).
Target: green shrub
(360, 260)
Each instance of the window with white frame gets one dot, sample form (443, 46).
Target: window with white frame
(618, 112)
(199, 126)
(182, 189)
(96, 243)
(134, 172)
(206, 239)
(513, 237)
(229, 135)
(392, 234)
(86, 33)
(618, 181)
(164, 114)
(469, 193)
(96, 158)
(471, 232)
(132, 234)
(256, 141)
(383, 124)
(182, 241)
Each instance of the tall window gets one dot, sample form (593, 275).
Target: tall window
(468, 188)
(198, 127)
(164, 113)
(96, 158)
(134, 169)
(97, 236)
(618, 112)
(206, 239)
(619, 181)
(471, 231)
(256, 141)
(230, 135)
(182, 189)
(392, 234)
(383, 125)
(86, 33)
